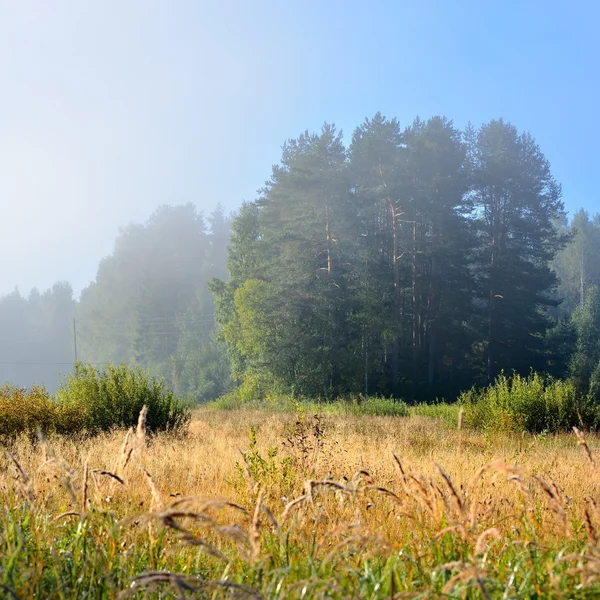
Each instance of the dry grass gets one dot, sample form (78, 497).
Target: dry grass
(333, 507)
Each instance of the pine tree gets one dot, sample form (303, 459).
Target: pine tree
(286, 250)
(516, 202)
(441, 251)
(304, 212)
(379, 272)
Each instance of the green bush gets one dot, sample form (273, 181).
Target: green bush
(231, 401)
(535, 404)
(23, 410)
(27, 410)
(115, 396)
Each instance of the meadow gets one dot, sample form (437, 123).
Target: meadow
(271, 504)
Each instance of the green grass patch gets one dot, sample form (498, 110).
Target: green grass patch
(444, 411)
(351, 406)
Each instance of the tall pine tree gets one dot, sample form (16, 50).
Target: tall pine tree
(516, 201)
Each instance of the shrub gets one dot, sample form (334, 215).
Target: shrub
(27, 410)
(23, 410)
(229, 401)
(534, 403)
(114, 397)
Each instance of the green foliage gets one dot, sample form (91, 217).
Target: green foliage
(448, 413)
(260, 472)
(154, 272)
(253, 333)
(348, 406)
(255, 386)
(29, 410)
(375, 406)
(71, 558)
(518, 202)
(91, 401)
(594, 392)
(229, 401)
(199, 368)
(206, 373)
(534, 404)
(585, 364)
(560, 344)
(114, 397)
(415, 262)
(150, 305)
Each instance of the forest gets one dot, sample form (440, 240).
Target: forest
(148, 305)
(413, 262)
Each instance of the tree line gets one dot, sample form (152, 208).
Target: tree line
(413, 262)
(148, 305)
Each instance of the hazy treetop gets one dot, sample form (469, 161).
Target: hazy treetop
(111, 108)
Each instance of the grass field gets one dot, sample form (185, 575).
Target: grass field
(316, 507)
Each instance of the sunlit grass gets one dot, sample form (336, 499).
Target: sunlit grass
(319, 505)
(350, 406)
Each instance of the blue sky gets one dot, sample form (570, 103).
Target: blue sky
(111, 108)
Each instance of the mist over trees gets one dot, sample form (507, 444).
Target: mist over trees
(36, 335)
(578, 265)
(149, 305)
(414, 262)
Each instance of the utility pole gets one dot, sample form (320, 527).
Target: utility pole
(364, 344)
(75, 338)
(366, 374)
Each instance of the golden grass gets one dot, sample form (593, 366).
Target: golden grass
(204, 462)
(363, 487)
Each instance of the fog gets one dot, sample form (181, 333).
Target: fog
(111, 109)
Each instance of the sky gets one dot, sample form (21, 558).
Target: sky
(109, 109)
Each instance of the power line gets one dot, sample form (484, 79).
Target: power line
(143, 320)
(177, 320)
(151, 328)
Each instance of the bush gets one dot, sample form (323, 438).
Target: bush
(535, 404)
(231, 401)
(115, 396)
(27, 410)
(23, 410)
